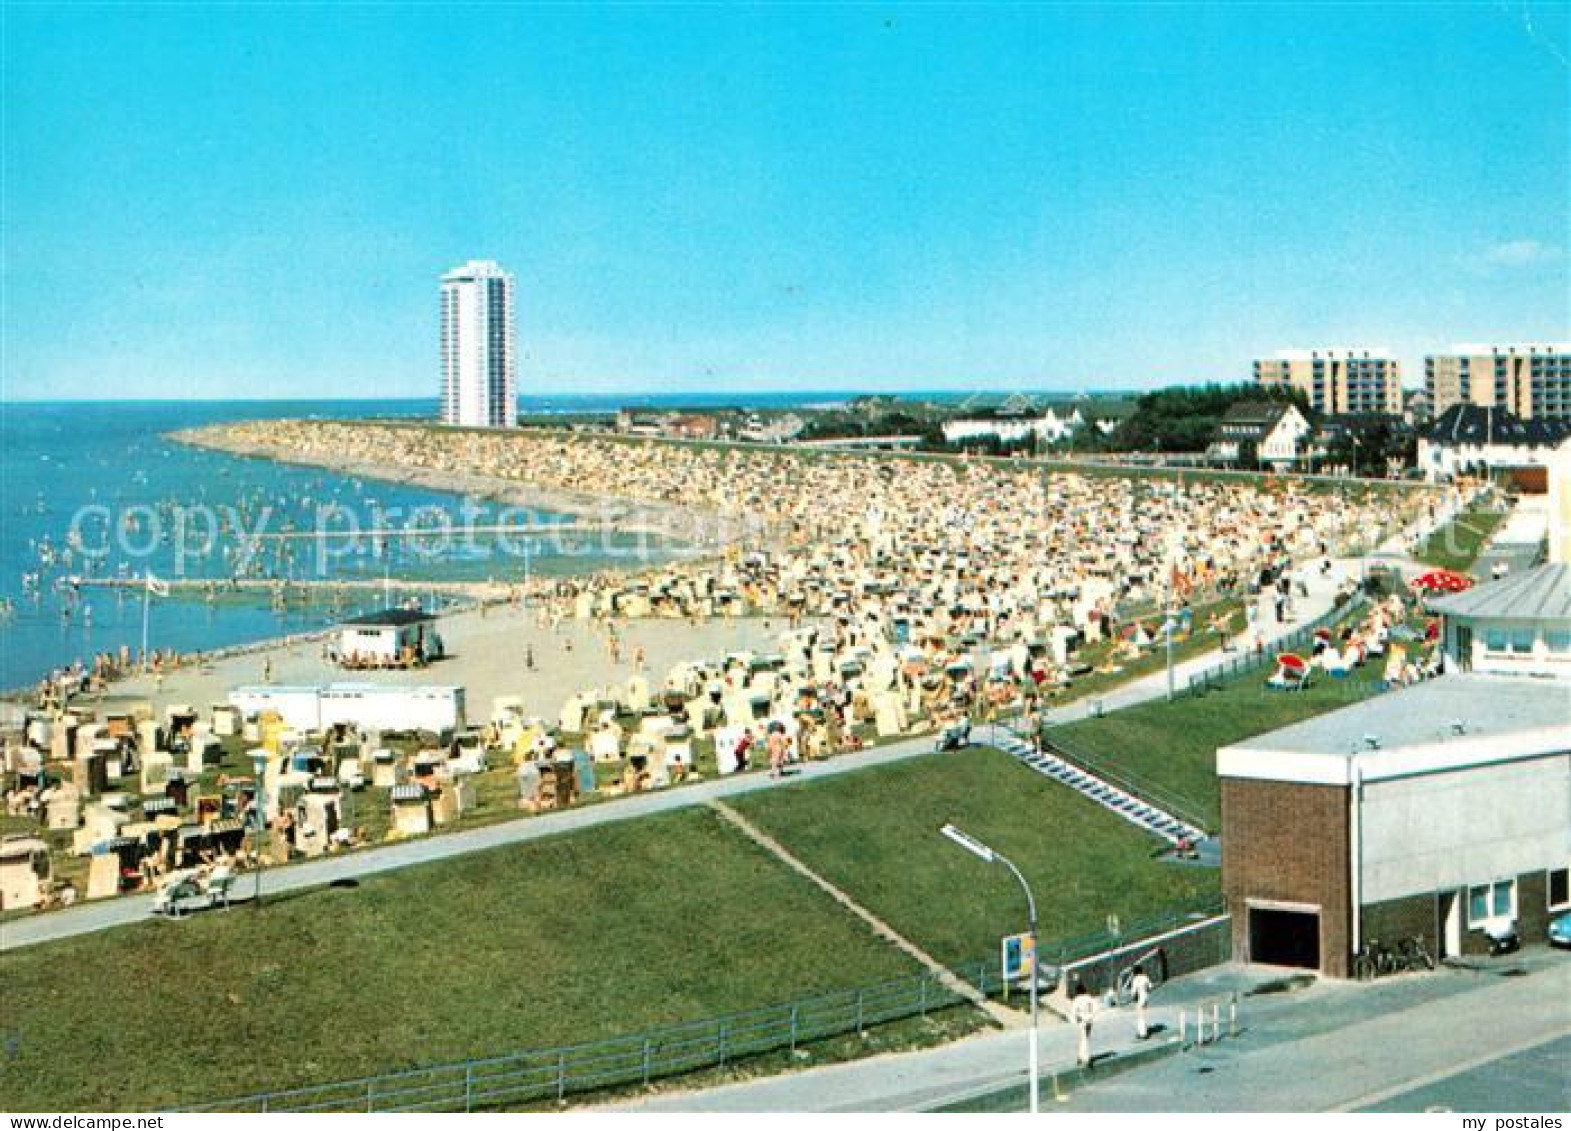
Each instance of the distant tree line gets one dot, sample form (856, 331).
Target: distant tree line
(839, 425)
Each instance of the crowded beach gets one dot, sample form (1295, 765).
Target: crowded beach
(849, 600)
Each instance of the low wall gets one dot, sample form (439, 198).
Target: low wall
(1186, 950)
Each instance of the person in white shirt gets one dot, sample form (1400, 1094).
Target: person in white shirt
(1140, 987)
(1082, 1009)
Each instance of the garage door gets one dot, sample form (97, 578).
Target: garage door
(1284, 938)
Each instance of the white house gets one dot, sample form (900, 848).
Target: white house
(1470, 438)
(1268, 432)
(389, 637)
(1010, 425)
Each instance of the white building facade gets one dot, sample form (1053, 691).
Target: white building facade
(479, 356)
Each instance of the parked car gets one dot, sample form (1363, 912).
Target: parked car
(1560, 930)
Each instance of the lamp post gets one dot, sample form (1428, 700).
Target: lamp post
(983, 852)
(258, 812)
(1169, 625)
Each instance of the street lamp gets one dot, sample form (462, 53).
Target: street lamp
(258, 807)
(987, 855)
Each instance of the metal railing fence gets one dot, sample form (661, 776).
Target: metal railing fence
(1253, 659)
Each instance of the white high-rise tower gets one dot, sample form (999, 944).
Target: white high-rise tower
(478, 371)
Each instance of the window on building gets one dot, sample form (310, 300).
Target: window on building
(1496, 639)
(1487, 902)
(1559, 884)
(1558, 640)
(1522, 640)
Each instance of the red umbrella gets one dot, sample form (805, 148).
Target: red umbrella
(1443, 581)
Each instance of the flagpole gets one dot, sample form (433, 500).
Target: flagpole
(147, 605)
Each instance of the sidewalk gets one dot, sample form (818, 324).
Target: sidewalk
(1374, 1044)
(1328, 1045)
(98, 916)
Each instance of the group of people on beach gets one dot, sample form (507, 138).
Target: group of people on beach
(937, 555)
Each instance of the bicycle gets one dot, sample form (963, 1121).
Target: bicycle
(1363, 965)
(1372, 960)
(1415, 955)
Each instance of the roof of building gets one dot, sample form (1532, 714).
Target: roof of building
(1448, 723)
(1476, 349)
(476, 269)
(389, 618)
(1479, 424)
(1540, 593)
(1264, 413)
(1334, 353)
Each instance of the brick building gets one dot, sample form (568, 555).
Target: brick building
(1443, 810)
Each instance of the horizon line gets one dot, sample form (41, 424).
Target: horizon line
(831, 393)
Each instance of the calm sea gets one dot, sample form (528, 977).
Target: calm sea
(92, 490)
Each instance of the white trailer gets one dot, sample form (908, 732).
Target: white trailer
(299, 707)
(370, 706)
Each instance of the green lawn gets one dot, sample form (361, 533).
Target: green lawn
(1456, 545)
(578, 937)
(1174, 744)
(875, 835)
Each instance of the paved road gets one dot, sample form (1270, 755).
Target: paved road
(1537, 1079)
(1470, 1039)
(112, 913)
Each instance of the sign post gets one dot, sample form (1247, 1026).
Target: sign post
(1017, 958)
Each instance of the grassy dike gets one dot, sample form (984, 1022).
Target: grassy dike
(875, 836)
(574, 938)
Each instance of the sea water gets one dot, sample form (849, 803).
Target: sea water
(94, 490)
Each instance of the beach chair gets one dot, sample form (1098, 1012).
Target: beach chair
(1292, 673)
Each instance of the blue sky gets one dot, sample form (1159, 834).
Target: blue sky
(258, 200)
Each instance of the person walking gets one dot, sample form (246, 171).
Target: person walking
(1140, 987)
(775, 744)
(1082, 1010)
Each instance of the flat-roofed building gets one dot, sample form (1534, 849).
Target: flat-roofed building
(479, 367)
(1337, 382)
(1529, 381)
(1441, 811)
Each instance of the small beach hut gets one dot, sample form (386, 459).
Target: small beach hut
(24, 872)
(387, 638)
(411, 810)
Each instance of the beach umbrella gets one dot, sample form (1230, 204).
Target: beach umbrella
(1442, 581)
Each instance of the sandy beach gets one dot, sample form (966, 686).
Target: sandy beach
(692, 528)
(487, 657)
